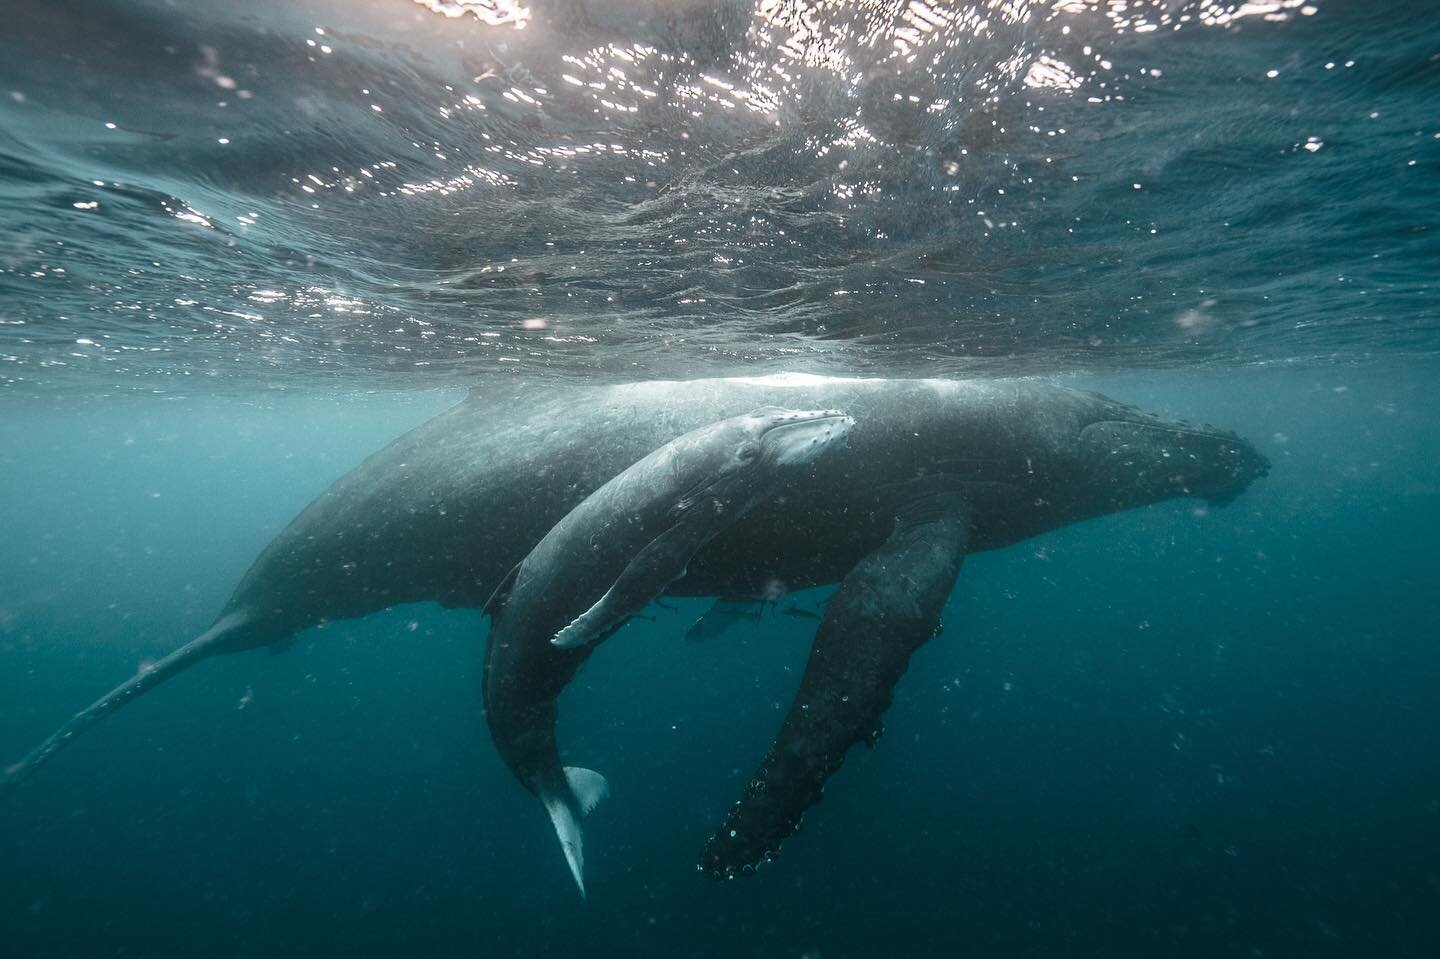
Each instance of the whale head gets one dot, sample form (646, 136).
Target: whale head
(1147, 459)
(790, 438)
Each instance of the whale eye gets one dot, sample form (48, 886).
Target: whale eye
(749, 452)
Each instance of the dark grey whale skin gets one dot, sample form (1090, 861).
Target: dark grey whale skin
(446, 510)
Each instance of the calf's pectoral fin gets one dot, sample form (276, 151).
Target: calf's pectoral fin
(656, 566)
(886, 607)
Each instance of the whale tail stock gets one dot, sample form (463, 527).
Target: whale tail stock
(218, 638)
(584, 788)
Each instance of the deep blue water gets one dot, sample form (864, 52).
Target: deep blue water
(1169, 732)
(1153, 733)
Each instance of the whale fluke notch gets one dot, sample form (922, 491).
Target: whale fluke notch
(217, 639)
(586, 789)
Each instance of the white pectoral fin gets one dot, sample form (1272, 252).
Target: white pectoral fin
(588, 788)
(660, 563)
(589, 625)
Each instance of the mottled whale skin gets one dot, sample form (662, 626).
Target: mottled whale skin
(933, 470)
(606, 561)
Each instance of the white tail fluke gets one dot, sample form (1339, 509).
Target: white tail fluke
(587, 788)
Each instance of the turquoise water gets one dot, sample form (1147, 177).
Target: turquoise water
(1156, 733)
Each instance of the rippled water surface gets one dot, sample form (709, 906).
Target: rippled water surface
(375, 193)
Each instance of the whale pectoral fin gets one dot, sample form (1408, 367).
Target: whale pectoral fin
(726, 613)
(595, 622)
(660, 563)
(886, 607)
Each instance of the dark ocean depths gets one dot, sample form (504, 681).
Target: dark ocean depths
(243, 247)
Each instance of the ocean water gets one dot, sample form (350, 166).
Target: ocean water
(242, 248)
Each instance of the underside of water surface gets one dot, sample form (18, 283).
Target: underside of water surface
(377, 194)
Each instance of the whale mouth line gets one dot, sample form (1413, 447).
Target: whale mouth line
(1262, 462)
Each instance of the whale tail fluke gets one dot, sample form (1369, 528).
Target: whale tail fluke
(213, 640)
(586, 789)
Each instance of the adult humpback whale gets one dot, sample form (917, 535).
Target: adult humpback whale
(934, 470)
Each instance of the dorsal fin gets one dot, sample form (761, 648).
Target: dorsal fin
(503, 590)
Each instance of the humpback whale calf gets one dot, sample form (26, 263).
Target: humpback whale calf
(604, 562)
(933, 471)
